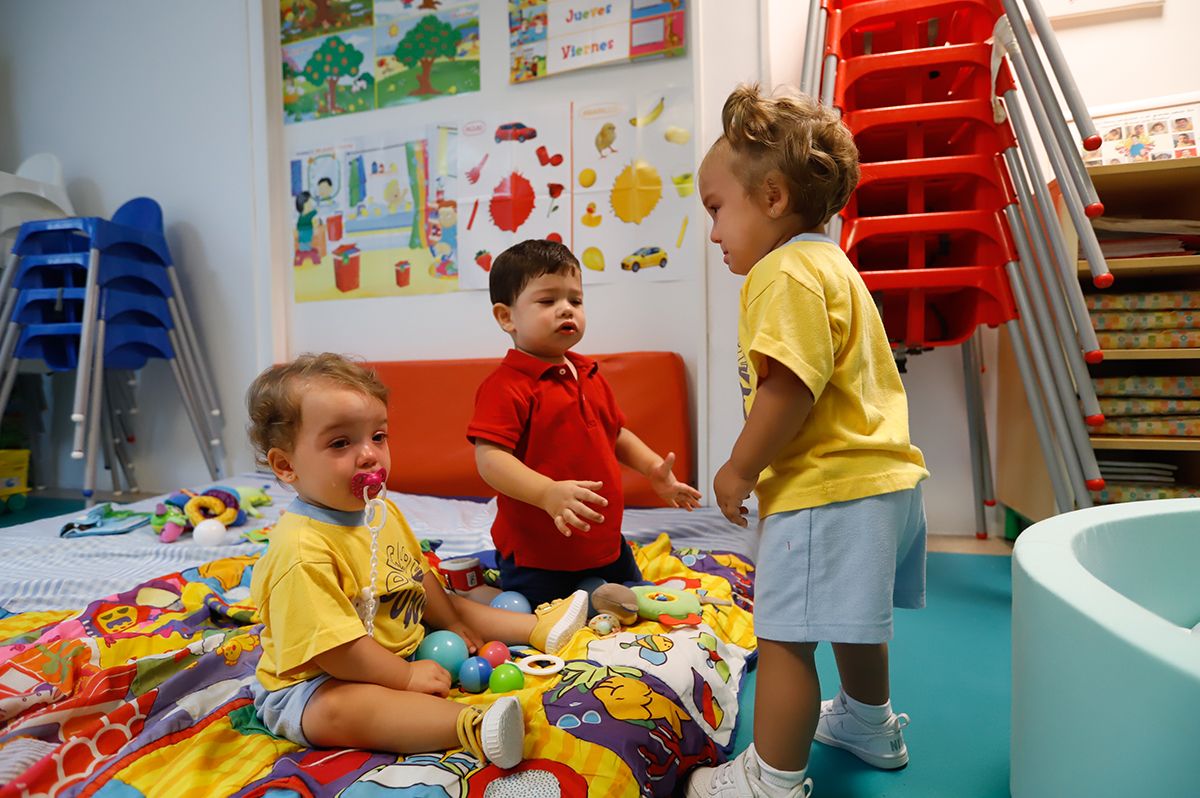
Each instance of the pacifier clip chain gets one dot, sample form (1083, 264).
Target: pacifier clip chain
(374, 516)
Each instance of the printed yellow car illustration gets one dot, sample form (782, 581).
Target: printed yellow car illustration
(646, 256)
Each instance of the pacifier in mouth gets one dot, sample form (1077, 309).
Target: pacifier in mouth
(368, 485)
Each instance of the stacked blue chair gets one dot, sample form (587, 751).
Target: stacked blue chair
(100, 297)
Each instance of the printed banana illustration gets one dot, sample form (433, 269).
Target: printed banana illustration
(649, 116)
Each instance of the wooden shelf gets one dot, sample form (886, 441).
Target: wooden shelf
(1147, 267)
(1150, 190)
(1155, 173)
(1146, 443)
(1151, 354)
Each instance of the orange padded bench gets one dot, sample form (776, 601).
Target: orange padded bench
(432, 401)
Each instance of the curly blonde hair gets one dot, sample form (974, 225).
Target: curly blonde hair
(274, 404)
(795, 135)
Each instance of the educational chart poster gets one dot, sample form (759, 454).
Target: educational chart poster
(344, 56)
(634, 188)
(423, 55)
(375, 217)
(514, 181)
(549, 37)
(1158, 134)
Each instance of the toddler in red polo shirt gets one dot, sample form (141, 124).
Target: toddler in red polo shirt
(550, 438)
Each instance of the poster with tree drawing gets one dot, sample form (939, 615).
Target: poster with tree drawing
(426, 53)
(306, 19)
(328, 76)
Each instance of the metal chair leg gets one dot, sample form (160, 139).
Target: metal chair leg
(1062, 73)
(1052, 281)
(1033, 394)
(1082, 466)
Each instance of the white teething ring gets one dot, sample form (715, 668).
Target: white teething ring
(541, 665)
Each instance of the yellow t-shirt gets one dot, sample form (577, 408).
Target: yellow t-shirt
(805, 306)
(310, 581)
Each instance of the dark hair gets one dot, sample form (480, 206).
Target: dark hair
(802, 139)
(273, 399)
(325, 180)
(521, 263)
(301, 200)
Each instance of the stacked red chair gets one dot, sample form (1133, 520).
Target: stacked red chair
(919, 83)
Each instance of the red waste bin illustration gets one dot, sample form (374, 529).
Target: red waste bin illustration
(403, 273)
(345, 267)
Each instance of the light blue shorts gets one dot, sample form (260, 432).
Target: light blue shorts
(282, 710)
(833, 573)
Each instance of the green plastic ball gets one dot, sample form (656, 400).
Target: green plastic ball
(505, 678)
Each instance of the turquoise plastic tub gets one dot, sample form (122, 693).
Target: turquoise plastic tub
(1106, 669)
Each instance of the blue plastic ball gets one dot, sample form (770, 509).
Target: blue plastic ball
(446, 649)
(512, 600)
(474, 674)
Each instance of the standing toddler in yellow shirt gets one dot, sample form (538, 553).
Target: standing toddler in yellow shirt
(825, 447)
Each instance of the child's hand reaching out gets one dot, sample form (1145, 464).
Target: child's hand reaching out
(671, 490)
(468, 635)
(567, 503)
(426, 676)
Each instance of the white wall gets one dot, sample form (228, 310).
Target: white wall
(145, 98)
(1124, 58)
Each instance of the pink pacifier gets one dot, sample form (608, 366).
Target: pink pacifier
(369, 485)
(373, 490)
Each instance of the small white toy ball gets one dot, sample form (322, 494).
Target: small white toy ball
(209, 532)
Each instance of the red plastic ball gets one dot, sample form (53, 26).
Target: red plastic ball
(495, 652)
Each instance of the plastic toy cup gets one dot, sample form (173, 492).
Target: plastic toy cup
(473, 674)
(403, 273)
(495, 652)
(446, 649)
(505, 678)
(463, 574)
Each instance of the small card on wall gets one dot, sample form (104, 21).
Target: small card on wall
(550, 37)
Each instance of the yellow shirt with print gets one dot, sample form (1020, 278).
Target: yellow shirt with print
(310, 581)
(805, 306)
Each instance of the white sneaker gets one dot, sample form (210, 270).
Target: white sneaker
(502, 733)
(880, 745)
(740, 777)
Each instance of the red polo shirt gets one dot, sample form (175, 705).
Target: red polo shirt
(562, 428)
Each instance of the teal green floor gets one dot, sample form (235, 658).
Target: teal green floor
(38, 507)
(951, 672)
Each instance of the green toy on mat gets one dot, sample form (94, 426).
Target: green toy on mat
(666, 605)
